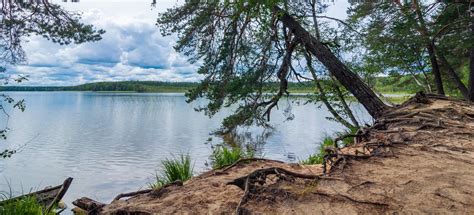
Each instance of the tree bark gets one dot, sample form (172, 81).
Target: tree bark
(355, 123)
(453, 76)
(471, 59)
(435, 69)
(430, 47)
(375, 107)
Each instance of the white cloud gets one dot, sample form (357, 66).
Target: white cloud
(131, 49)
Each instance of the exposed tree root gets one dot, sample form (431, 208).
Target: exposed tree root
(223, 169)
(123, 195)
(131, 194)
(261, 174)
(339, 160)
(350, 199)
(248, 183)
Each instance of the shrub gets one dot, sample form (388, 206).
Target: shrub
(173, 170)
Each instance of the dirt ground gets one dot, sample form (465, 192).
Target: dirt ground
(418, 158)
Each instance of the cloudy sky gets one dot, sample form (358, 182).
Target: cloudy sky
(131, 49)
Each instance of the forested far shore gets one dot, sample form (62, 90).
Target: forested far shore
(388, 85)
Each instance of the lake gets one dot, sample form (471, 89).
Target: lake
(113, 142)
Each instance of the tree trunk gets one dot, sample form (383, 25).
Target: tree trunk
(347, 78)
(427, 81)
(430, 47)
(435, 69)
(350, 114)
(471, 59)
(453, 76)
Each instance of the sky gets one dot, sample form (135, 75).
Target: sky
(131, 49)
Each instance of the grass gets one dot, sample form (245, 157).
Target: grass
(223, 156)
(173, 170)
(348, 140)
(27, 206)
(318, 157)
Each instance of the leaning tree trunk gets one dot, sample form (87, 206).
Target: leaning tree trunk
(344, 75)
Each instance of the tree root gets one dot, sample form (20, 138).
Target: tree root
(350, 199)
(131, 194)
(438, 125)
(223, 169)
(248, 183)
(262, 174)
(358, 136)
(123, 195)
(339, 158)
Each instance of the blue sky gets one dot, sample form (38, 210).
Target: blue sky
(131, 49)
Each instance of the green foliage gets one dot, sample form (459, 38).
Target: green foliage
(26, 206)
(396, 38)
(21, 19)
(236, 41)
(173, 170)
(16, 104)
(223, 156)
(396, 83)
(318, 157)
(348, 140)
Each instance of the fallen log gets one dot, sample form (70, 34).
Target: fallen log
(89, 205)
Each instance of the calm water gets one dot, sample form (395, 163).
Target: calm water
(113, 142)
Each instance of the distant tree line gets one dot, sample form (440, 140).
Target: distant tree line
(389, 84)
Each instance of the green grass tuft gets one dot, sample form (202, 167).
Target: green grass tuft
(318, 157)
(223, 156)
(27, 206)
(348, 140)
(173, 170)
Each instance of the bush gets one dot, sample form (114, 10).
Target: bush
(223, 156)
(174, 170)
(27, 206)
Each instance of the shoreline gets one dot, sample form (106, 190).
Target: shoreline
(416, 158)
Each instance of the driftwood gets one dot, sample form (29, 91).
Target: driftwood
(89, 205)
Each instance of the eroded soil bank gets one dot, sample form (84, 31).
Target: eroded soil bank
(418, 158)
